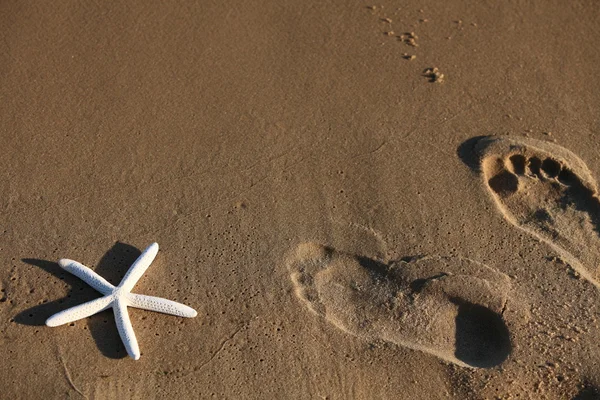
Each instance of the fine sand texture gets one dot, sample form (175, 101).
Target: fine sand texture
(390, 200)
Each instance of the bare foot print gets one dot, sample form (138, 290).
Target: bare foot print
(547, 191)
(451, 308)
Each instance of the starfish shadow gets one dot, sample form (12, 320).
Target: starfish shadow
(112, 266)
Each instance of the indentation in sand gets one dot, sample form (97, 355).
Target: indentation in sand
(548, 192)
(451, 308)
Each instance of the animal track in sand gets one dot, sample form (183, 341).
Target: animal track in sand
(547, 191)
(449, 307)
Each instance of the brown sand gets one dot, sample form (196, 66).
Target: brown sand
(320, 196)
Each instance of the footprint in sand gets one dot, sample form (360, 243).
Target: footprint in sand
(451, 308)
(547, 191)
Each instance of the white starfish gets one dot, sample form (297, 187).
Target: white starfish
(119, 298)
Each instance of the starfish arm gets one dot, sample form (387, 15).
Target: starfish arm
(161, 305)
(87, 275)
(138, 268)
(125, 329)
(79, 312)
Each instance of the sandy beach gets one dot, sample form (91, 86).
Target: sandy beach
(391, 200)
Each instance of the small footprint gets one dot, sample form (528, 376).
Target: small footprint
(451, 308)
(548, 192)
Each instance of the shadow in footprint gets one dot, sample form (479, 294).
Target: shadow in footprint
(377, 269)
(466, 152)
(584, 200)
(482, 338)
(588, 393)
(112, 267)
